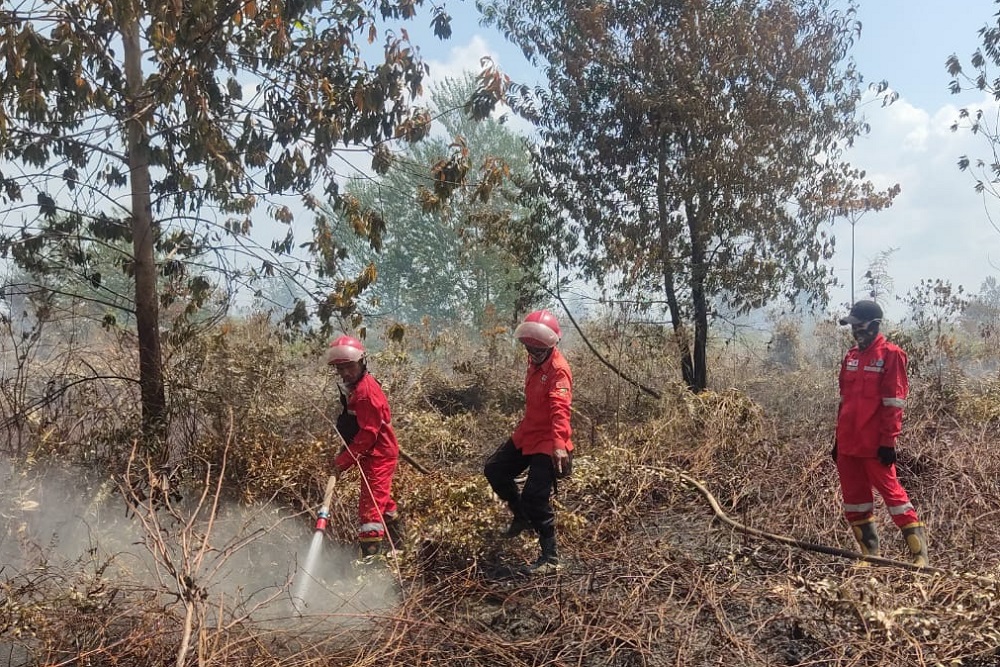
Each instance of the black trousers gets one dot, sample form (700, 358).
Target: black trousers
(533, 501)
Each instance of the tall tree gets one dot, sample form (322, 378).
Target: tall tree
(451, 263)
(696, 147)
(170, 124)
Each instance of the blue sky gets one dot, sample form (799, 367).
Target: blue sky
(938, 227)
(939, 224)
(907, 42)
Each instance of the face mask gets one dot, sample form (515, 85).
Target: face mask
(864, 334)
(538, 355)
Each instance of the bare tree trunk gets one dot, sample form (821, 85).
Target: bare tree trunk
(698, 302)
(700, 379)
(154, 402)
(666, 258)
(182, 650)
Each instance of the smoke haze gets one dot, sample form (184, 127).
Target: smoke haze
(76, 521)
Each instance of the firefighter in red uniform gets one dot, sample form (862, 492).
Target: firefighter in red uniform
(366, 426)
(540, 442)
(873, 389)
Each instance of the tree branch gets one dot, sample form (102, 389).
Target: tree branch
(614, 369)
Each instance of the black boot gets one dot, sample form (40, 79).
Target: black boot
(548, 562)
(916, 541)
(519, 523)
(867, 536)
(369, 547)
(395, 532)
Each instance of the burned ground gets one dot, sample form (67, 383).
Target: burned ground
(651, 577)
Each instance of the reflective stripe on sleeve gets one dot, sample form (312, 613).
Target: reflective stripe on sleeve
(892, 402)
(900, 509)
(862, 507)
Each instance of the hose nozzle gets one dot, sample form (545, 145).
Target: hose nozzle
(322, 518)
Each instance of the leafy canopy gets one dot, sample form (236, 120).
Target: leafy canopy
(241, 104)
(454, 263)
(695, 148)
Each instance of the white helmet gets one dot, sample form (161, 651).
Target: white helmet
(344, 350)
(539, 329)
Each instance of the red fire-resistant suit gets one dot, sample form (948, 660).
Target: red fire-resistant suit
(873, 390)
(375, 449)
(548, 393)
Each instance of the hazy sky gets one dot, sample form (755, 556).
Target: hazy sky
(939, 226)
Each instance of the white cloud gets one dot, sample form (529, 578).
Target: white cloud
(470, 58)
(461, 59)
(938, 223)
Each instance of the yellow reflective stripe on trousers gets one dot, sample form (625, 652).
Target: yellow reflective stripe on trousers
(892, 402)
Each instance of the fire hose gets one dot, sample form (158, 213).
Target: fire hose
(811, 546)
(323, 516)
(413, 462)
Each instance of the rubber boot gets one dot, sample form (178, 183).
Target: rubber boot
(916, 541)
(395, 532)
(548, 562)
(867, 536)
(519, 523)
(369, 547)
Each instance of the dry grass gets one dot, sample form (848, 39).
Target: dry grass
(651, 578)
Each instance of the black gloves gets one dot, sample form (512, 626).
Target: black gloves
(886, 455)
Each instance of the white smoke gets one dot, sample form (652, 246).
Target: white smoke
(75, 520)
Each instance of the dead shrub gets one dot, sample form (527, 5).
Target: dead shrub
(651, 577)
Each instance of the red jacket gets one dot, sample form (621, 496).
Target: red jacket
(375, 437)
(548, 394)
(873, 389)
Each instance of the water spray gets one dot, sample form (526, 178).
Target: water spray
(311, 562)
(312, 557)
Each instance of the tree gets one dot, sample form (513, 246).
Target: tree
(853, 203)
(981, 316)
(91, 281)
(936, 308)
(879, 284)
(168, 125)
(985, 172)
(451, 263)
(696, 148)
